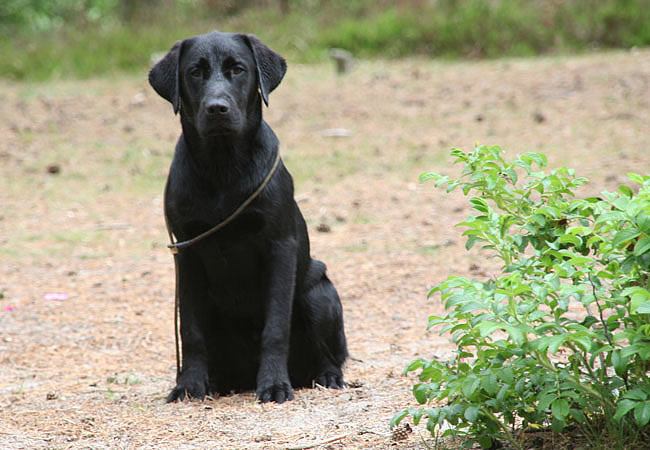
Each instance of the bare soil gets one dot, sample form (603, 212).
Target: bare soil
(82, 169)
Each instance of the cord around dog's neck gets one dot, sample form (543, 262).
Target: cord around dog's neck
(175, 247)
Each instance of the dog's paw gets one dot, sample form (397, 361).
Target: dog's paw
(278, 392)
(192, 388)
(331, 380)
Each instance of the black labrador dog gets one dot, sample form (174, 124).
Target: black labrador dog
(256, 311)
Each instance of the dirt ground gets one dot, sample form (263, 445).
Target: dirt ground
(86, 284)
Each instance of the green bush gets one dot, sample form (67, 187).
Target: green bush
(525, 359)
(389, 34)
(480, 28)
(46, 15)
(44, 39)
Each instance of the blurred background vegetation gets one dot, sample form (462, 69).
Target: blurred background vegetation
(46, 39)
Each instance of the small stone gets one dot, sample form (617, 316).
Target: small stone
(53, 169)
(52, 395)
(323, 228)
(138, 99)
(263, 438)
(336, 133)
(343, 59)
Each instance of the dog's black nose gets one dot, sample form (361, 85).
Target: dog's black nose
(217, 107)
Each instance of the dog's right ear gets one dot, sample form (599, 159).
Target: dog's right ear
(164, 76)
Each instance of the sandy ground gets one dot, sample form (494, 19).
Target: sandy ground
(90, 367)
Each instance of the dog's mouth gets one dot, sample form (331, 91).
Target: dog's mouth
(217, 133)
(219, 125)
(219, 128)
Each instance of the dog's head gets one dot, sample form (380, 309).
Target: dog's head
(214, 79)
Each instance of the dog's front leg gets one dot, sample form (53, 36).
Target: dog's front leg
(192, 382)
(273, 382)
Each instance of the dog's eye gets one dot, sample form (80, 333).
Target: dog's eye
(196, 72)
(237, 70)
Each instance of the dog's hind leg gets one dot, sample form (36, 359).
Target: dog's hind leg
(323, 316)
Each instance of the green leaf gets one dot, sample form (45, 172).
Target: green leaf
(578, 415)
(570, 239)
(511, 174)
(431, 373)
(430, 176)
(450, 186)
(619, 362)
(486, 327)
(479, 205)
(579, 230)
(397, 418)
(471, 413)
(639, 307)
(416, 414)
(538, 158)
(592, 240)
(506, 375)
(642, 246)
(640, 301)
(560, 408)
(470, 385)
(643, 221)
(433, 414)
(413, 365)
(545, 401)
(503, 392)
(643, 308)
(557, 425)
(486, 442)
(555, 342)
(421, 392)
(626, 190)
(629, 291)
(471, 241)
(515, 333)
(636, 178)
(611, 216)
(489, 383)
(584, 340)
(636, 394)
(624, 236)
(539, 219)
(624, 406)
(642, 414)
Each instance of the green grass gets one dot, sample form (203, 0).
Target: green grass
(82, 44)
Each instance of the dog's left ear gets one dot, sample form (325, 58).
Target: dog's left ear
(271, 67)
(164, 77)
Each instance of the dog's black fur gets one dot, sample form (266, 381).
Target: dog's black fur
(256, 311)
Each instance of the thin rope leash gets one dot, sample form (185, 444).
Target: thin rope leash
(176, 247)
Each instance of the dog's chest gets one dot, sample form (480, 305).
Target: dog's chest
(237, 273)
(198, 212)
(234, 258)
